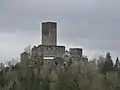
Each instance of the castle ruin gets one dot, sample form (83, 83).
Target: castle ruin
(49, 47)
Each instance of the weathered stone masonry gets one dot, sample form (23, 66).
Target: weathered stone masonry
(49, 50)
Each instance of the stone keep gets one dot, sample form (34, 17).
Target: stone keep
(49, 33)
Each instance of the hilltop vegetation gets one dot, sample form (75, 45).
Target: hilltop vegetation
(62, 74)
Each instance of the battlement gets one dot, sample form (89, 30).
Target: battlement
(49, 23)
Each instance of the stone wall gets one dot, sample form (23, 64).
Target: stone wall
(76, 52)
(49, 50)
(24, 57)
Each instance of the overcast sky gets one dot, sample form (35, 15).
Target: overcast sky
(93, 25)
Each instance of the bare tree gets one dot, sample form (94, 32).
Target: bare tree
(28, 49)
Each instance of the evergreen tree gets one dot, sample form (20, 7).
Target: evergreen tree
(108, 65)
(117, 64)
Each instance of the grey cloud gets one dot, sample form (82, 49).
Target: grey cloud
(19, 13)
(92, 24)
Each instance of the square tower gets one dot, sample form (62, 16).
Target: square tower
(49, 33)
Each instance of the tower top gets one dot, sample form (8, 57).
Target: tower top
(49, 22)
